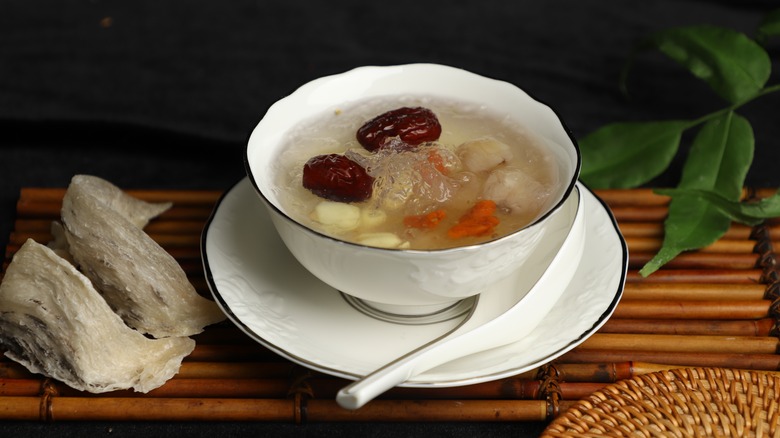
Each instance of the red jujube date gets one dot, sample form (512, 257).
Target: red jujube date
(412, 126)
(337, 178)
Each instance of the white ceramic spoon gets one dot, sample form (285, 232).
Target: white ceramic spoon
(503, 316)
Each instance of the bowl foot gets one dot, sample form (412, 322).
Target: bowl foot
(410, 315)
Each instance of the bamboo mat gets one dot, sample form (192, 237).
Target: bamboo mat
(717, 307)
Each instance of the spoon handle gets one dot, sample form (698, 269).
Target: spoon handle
(365, 389)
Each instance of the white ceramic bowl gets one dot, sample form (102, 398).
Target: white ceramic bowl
(398, 280)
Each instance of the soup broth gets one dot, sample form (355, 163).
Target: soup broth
(421, 194)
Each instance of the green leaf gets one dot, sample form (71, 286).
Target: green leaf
(720, 156)
(748, 213)
(625, 155)
(718, 162)
(735, 66)
(770, 26)
(692, 224)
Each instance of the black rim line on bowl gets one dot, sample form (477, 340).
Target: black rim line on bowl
(556, 207)
(278, 350)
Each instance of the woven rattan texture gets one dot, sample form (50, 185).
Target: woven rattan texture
(703, 402)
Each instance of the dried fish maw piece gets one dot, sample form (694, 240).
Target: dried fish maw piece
(137, 211)
(137, 277)
(54, 322)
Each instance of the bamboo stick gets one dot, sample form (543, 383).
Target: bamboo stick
(20, 387)
(20, 408)
(764, 192)
(669, 309)
(708, 276)
(759, 328)
(644, 197)
(430, 410)
(635, 213)
(234, 370)
(647, 196)
(171, 409)
(508, 389)
(519, 388)
(723, 246)
(682, 344)
(698, 260)
(214, 388)
(606, 372)
(231, 409)
(766, 362)
(693, 291)
(656, 229)
(174, 388)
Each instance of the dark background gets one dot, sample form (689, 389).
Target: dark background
(163, 94)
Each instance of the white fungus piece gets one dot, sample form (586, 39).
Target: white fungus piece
(513, 189)
(54, 322)
(483, 154)
(141, 282)
(410, 179)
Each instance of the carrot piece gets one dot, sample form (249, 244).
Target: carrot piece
(482, 208)
(480, 220)
(425, 221)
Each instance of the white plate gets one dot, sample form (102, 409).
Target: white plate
(274, 300)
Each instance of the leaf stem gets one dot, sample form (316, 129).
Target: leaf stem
(764, 91)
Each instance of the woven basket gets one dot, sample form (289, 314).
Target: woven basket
(688, 402)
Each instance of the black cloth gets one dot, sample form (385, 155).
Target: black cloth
(163, 94)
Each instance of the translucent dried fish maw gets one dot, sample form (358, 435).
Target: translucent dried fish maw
(142, 282)
(54, 322)
(137, 211)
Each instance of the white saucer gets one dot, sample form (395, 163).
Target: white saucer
(273, 299)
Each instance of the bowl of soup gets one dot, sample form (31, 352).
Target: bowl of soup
(411, 187)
